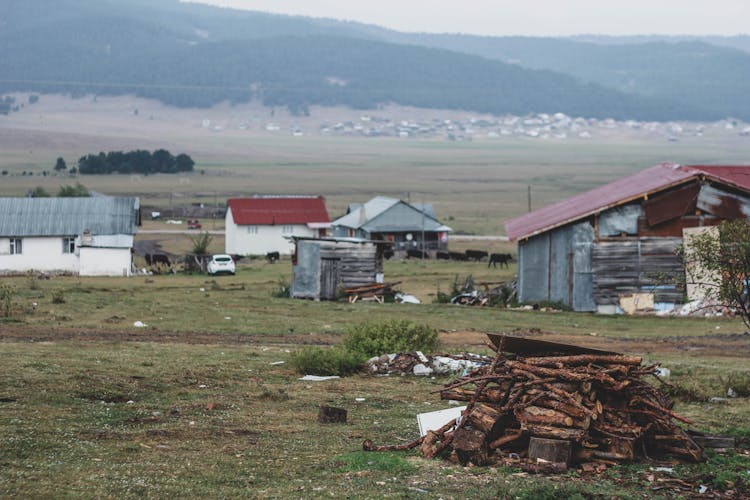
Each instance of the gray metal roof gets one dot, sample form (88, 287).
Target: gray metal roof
(389, 214)
(68, 216)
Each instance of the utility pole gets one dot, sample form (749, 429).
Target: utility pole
(528, 195)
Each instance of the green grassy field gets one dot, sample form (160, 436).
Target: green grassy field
(197, 404)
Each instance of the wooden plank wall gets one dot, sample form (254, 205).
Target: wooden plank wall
(633, 265)
(357, 263)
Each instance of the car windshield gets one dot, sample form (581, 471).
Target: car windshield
(222, 259)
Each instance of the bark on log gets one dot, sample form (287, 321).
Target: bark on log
(509, 437)
(548, 431)
(471, 446)
(584, 359)
(484, 418)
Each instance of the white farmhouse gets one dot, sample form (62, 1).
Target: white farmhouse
(84, 236)
(264, 224)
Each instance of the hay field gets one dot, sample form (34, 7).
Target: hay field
(474, 185)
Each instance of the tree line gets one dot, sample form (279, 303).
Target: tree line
(135, 162)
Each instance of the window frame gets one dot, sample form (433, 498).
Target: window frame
(16, 246)
(69, 245)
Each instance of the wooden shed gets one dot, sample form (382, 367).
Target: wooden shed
(322, 268)
(608, 248)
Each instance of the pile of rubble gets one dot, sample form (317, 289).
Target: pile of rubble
(551, 405)
(417, 363)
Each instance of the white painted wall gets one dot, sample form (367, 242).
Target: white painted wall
(39, 254)
(259, 240)
(46, 254)
(105, 261)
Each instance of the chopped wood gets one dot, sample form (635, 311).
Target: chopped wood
(597, 404)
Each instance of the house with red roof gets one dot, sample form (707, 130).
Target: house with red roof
(605, 248)
(264, 224)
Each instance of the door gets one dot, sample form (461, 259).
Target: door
(329, 279)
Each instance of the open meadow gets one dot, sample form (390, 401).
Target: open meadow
(202, 400)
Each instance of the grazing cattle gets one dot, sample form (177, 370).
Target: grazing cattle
(387, 254)
(500, 258)
(475, 255)
(272, 257)
(417, 254)
(155, 259)
(457, 256)
(440, 255)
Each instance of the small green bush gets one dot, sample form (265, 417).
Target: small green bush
(327, 361)
(376, 338)
(58, 296)
(6, 301)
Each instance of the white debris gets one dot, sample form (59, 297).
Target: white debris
(139, 324)
(318, 378)
(422, 370)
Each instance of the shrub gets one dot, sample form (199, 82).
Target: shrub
(6, 301)
(376, 338)
(327, 361)
(58, 296)
(282, 290)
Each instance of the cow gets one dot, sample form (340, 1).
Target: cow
(272, 257)
(475, 255)
(457, 256)
(501, 258)
(387, 254)
(154, 259)
(440, 255)
(417, 254)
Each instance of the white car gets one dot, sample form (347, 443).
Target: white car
(221, 263)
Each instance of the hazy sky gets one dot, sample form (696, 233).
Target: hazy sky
(526, 17)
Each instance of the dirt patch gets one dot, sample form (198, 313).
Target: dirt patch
(24, 333)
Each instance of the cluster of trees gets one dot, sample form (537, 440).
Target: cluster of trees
(135, 162)
(77, 191)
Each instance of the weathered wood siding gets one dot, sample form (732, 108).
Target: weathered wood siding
(638, 265)
(357, 263)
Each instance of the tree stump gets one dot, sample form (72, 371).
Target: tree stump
(555, 451)
(331, 415)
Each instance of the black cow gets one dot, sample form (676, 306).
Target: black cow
(501, 258)
(387, 254)
(440, 255)
(457, 256)
(272, 257)
(475, 255)
(417, 254)
(155, 259)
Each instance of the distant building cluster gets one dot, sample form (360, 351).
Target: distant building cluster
(557, 126)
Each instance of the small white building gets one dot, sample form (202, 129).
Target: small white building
(84, 236)
(263, 224)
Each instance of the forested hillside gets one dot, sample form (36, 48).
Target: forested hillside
(193, 55)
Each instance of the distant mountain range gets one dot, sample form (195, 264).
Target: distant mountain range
(193, 55)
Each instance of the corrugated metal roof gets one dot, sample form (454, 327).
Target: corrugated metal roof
(377, 216)
(24, 217)
(360, 215)
(278, 210)
(621, 191)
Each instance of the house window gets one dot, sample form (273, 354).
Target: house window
(287, 229)
(69, 244)
(16, 246)
(252, 229)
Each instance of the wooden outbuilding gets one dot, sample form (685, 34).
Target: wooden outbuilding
(614, 248)
(323, 267)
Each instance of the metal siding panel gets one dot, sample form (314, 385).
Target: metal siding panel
(560, 265)
(583, 277)
(533, 265)
(723, 204)
(619, 220)
(305, 281)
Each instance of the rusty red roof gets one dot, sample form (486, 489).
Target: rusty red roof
(267, 211)
(645, 182)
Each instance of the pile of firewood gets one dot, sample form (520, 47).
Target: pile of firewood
(547, 411)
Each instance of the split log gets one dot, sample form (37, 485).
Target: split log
(471, 446)
(538, 415)
(551, 450)
(490, 394)
(548, 431)
(509, 437)
(484, 418)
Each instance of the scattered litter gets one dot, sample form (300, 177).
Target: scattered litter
(663, 372)
(434, 420)
(202, 386)
(277, 363)
(139, 324)
(359, 400)
(718, 400)
(405, 298)
(662, 469)
(130, 402)
(702, 489)
(405, 363)
(731, 393)
(318, 378)
(201, 289)
(227, 317)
